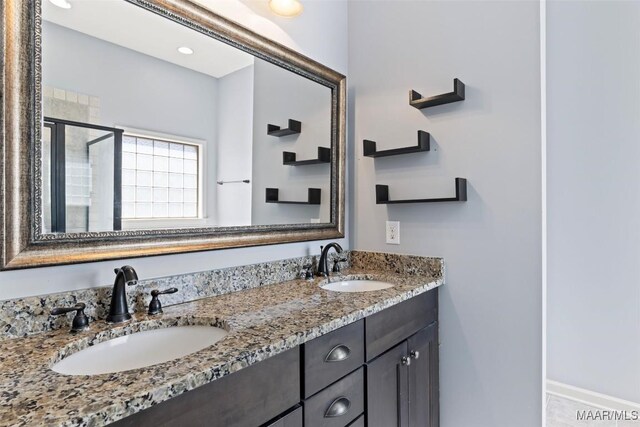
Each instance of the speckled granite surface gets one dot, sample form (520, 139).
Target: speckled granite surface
(25, 316)
(262, 322)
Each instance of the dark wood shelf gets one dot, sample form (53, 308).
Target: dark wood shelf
(324, 156)
(294, 127)
(313, 197)
(423, 145)
(416, 100)
(382, 195)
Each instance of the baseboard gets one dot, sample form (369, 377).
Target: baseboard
(589, 397)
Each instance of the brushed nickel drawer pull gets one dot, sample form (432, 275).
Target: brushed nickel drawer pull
(338, 353)
(338, 408)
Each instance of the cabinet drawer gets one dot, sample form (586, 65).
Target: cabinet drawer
(249, 397)
(292, 419)
(332, 356)
(359, 422)
(337, 405)
(387, 328)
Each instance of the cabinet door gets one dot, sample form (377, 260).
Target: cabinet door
(423, 378)
(387, 400)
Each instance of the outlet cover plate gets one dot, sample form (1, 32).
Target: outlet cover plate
(393, 232)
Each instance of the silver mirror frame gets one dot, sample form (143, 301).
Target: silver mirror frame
(24, 245)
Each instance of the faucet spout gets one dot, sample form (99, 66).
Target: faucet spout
(323, 268)
(119, 308)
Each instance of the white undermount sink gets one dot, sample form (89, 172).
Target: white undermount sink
(139, 350)
(356, 286)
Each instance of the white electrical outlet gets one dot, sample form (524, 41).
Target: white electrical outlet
(393, 232)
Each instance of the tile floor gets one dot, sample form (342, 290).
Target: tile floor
(561, 412)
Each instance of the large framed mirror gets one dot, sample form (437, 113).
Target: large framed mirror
(147, 127)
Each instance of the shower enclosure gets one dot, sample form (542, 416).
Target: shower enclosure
(82, 177)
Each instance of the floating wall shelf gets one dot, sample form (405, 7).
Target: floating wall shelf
(382, 195)
(313, 198)
(294, 127)
(423, 145)
(416, 100)
(324, 156)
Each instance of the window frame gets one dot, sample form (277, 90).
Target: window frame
(168, 222)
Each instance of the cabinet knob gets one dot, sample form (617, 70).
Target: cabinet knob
(338, 408)
(338, 353)
(414, 354)
(405, 361)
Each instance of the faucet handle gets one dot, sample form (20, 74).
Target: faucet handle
(336, 264)
(80, 320)
(155, 307)
(307, 271)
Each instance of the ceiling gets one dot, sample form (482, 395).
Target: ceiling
(130, 26)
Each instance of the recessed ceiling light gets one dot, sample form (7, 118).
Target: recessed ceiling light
(288, 8)
(64, 4)
(185, 50)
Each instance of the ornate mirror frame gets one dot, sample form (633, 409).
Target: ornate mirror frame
(24, 245)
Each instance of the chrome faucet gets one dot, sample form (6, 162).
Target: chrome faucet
(323, 267)
(119, 309)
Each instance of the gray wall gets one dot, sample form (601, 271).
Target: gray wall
(307, 34)
(490, 330)
(235, 142)
(280, 95)
(593, 109)
(135, 90)
(490, 307)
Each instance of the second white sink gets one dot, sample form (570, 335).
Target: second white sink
(356, 286)
(139, 350)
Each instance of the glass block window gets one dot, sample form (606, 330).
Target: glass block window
(159, 178)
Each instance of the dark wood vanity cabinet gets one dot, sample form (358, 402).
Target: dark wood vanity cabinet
(249, 397)
(290, 419)
(381, 371)
(338, 404)
(332, 356)
(389, 327)
(402, 364)
(402, 386)
(424, 379)
(398, 349)
(386, 388)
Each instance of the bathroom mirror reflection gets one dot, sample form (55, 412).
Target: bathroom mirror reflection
(149, 124)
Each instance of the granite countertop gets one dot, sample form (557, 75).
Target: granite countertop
(262, 322)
